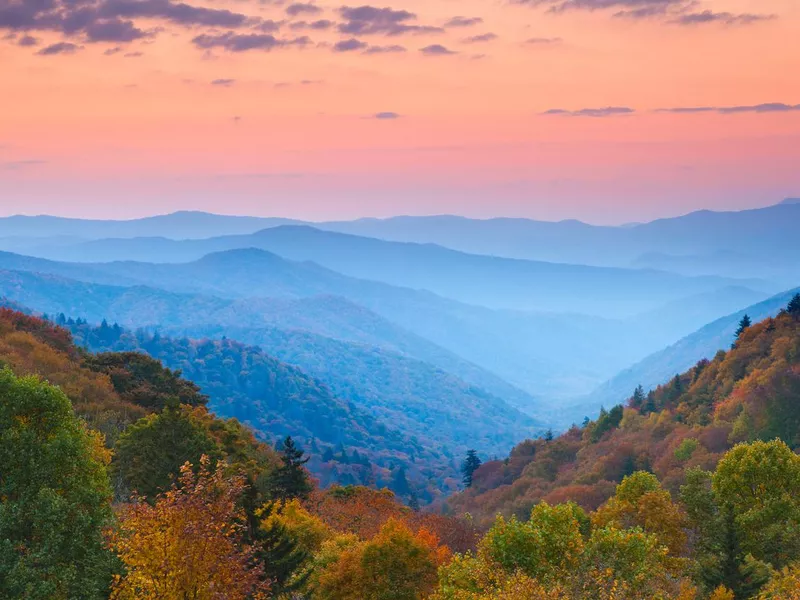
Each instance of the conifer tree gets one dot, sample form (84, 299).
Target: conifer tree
(291, 479)
(794, 306)
(471, 465)
(743, 325)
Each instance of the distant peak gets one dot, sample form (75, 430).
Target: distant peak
(791, 201)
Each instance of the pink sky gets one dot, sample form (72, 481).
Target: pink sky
(115, 128)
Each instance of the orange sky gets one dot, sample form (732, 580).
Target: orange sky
(93, 132)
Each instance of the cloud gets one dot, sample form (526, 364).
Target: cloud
(463, 22)
(269, 26)
(299, 8)
(543, 41)
(350, 45)
(16, 165)
(223, 82)
(133, 55)
(770, 107)
(436, 50)
(112, 51)
(242, 42)
(59, 48)
(113, 30)
(386, 116)
(392, 49)
(319, 25)
(608, 111)
(591, 5)
(110, 20)
(725, 18)
(476, 39)
(27, 40)
(369, 20)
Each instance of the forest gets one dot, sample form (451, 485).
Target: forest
(119, 482)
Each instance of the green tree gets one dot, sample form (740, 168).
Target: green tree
(794, 306)
(291, 479)
(760, 484)
(150, 453)
(55, 497)
(469, 467)
(547, 547)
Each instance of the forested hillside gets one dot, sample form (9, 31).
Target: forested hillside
(751, 392)
(403, 442)
(674, 497)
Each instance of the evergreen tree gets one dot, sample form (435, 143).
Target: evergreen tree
(400, 485)
(548, 435)
(794, 306)
(638, 398)
(284, 560)
(413, 501)
(291, 479)
(469, 467)
(743, 325)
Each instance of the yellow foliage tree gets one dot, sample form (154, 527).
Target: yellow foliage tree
(188, 544)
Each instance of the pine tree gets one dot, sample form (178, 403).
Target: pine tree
(794, 306)
(743, 325)
(548, 435)
(400, 485)
(291, 479)
(638, 398)
(471, 465)
(285, 562)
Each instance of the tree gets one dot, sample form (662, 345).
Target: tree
(395, 565)
(794, 306)
(469, 467)
(547, 547)
(283, 556)
(638, 398)
(55, 497)
(760, 484)
(291, 480)
(744, 324)
(640, 501)
(189, 544)
(149, 454)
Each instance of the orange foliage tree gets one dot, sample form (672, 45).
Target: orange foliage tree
(188, 544)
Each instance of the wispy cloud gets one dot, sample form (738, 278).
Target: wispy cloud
(368, 20)
(436, 50)
(300, 8)
(386, 116)
(463, 22)
(242, 42)
(543, 41)
(724, 18)
(59, 48)
(769, 107)
(608, 111)
(223, 82)
(16, 165)
(476, 39)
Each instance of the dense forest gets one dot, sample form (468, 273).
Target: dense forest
(691, 491)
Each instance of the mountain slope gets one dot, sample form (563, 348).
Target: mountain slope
(140, 307)
(748, 393)
(660, 367)
(249, 272)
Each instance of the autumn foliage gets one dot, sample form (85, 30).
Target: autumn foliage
(188, 544)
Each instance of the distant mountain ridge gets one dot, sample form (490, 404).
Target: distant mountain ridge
(547, 354)
(470, 278)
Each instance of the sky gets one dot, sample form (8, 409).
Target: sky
(608, 111)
